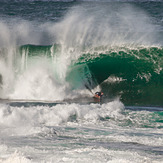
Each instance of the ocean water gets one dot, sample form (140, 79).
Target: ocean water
(54, 55)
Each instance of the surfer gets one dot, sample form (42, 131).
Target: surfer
(98, 95)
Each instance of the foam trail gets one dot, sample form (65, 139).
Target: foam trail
(31, 119)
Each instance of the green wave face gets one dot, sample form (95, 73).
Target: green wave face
(133, 74)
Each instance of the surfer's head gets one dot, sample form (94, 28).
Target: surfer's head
(98, 95)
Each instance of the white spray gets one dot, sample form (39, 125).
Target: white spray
(81, 31)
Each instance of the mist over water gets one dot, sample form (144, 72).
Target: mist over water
(100, 25)
(106, 26)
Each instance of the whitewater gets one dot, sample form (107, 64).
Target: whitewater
(54, 55)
